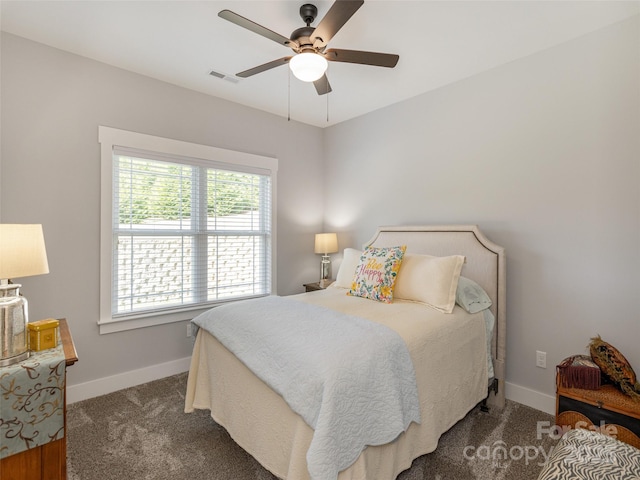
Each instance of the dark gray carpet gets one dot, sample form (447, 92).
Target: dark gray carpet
(143, 433)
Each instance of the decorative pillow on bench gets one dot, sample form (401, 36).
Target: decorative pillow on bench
(579, 371)
(615, 366)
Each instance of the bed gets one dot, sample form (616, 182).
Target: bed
(449, 359)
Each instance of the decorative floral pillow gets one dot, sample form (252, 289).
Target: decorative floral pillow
(376, 273)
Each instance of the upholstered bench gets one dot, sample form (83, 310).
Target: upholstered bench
(586, 454)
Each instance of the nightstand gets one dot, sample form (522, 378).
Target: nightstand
(312, 287)
(47, 461)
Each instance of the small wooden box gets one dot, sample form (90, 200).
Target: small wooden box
(43, 334)
(607, 409)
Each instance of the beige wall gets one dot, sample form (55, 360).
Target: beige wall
(544, 154)
(52, 104)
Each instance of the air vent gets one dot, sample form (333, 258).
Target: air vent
(224, 76)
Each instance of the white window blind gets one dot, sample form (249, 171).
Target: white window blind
(186, 234)
(184, 226)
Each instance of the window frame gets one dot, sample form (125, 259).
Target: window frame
(214, 157)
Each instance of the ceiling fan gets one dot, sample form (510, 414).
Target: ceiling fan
(309, 43)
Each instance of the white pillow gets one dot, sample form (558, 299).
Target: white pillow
(471, 296)
(347, 270)
(430, 280)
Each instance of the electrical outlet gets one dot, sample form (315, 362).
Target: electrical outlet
(189, 330)
(541, 359)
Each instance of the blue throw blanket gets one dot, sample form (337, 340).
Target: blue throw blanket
(350, 379)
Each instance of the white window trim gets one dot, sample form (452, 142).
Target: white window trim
(108, 138)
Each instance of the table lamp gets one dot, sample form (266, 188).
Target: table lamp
(22, 254)
(326, 243)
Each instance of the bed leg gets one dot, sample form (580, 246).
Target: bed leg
(493, 386)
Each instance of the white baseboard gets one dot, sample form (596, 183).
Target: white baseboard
(105, 385)
(102, 386)
(531, 398)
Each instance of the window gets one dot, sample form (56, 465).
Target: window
(184, 227)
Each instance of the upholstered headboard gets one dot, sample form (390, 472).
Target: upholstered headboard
(485, 264)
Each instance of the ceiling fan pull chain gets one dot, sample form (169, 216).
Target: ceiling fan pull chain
(289, 97)
(327, 95)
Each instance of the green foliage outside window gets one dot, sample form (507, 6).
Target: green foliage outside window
(150, 190)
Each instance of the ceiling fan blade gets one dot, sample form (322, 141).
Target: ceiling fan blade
(339, 13)
(365, 58)
(264, 67)
(322, 85)
(255, 28)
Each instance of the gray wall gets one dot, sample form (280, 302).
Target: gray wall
(52, 104)
(544, 154)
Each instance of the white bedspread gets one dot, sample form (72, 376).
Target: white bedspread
(350, 379)
(448, 354)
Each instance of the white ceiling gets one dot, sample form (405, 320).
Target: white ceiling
(180, 42)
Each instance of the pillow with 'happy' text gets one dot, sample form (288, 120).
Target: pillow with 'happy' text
(376, 273)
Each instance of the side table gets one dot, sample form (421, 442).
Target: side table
(312, 287)
(48, 461)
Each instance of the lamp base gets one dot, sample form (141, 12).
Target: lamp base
(5, 362)
(325, 270)
(13, 326)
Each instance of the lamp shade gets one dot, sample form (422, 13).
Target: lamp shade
(326, 243)
(22, 251)
(308, 66)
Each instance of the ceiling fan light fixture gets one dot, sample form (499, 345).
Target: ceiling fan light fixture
(308, 66)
